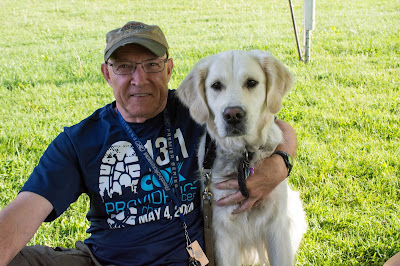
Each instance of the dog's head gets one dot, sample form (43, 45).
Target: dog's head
(236, 93)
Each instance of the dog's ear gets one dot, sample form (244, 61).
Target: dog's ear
(192, 92)
(279, 79)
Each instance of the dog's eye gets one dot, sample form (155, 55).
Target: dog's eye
(251, 83)
(217, 86)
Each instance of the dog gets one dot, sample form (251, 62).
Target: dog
(236, 95)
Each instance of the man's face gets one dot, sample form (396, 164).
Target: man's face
(140, 95)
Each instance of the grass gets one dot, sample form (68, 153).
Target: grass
(344, 105)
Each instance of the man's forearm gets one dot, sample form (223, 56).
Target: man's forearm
(19, 222)
(290, 139)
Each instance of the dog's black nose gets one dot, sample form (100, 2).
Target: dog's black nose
(234, 115)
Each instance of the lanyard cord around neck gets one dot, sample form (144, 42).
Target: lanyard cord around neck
(153, 166)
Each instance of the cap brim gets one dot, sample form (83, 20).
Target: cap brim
(155, 47)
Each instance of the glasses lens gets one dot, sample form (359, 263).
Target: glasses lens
(154, 65)
(124, 68)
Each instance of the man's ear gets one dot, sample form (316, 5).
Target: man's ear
(192, 92)
(106, 73)
(279, 79)
(170, 66)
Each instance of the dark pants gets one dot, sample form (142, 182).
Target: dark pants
(42, 255)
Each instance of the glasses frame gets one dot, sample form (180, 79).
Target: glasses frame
(136, 63)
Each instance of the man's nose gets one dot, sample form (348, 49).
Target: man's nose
(138, 75)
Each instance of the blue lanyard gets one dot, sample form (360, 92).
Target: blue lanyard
(152, 164)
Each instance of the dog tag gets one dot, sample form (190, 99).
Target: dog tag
(248, 171)
(196, 254)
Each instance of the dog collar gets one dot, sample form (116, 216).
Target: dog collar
(244, 169)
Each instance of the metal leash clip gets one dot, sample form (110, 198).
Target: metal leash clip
(193, 262)
(207, 195)
(246, 164)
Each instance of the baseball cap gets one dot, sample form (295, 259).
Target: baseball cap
(149, 36)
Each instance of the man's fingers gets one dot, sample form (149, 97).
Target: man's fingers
(237, 198)
(246, 205)
(230, 184)
(231, 199)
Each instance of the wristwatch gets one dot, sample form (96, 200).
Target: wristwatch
(287, 159)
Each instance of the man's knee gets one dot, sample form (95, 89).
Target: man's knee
(43, 255)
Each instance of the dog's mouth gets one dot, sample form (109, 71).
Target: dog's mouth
(235, 130)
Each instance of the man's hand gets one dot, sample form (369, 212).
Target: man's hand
(268, 174)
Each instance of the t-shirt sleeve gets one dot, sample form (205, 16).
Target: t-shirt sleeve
(57, 177)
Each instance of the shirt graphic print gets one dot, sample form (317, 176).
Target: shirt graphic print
(133, 195)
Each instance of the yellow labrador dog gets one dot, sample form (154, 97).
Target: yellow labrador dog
(236, 95)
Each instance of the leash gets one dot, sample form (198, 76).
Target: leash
(244, 170)
(209, 157)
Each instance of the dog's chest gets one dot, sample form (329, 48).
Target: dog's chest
(225, 167)
(226, 164)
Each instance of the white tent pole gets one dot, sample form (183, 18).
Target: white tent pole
(309, 25)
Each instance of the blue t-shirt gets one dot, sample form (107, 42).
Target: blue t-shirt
(132, 219)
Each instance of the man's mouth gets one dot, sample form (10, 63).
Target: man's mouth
(140, 94)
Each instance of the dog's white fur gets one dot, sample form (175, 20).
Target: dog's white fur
(272, 231)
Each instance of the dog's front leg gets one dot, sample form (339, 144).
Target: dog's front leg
(227, 244)
(226, 249)
(278, 244)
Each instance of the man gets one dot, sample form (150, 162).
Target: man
(136, 159)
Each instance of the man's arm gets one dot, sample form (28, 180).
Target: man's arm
(393, 261)
(268, 173)
(19, 221)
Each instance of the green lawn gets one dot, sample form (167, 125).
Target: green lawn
(344, 105)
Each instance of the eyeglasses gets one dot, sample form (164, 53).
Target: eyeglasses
(128, 67)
